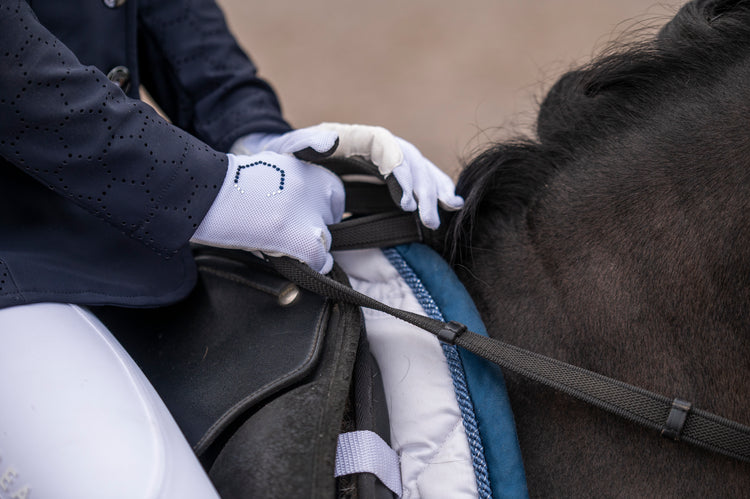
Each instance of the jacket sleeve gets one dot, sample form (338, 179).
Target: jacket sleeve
(194, 69)
(76, 132)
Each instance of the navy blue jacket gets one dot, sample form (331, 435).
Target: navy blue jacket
(98, 194)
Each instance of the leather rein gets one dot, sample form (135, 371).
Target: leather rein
(673, 418)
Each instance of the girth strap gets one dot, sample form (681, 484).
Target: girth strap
(365, 452)
(700, 428)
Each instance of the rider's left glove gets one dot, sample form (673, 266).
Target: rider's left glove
(276, 204)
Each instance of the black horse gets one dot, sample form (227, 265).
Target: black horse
(618, 239)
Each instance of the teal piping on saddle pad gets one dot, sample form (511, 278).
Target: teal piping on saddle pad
(485, 381)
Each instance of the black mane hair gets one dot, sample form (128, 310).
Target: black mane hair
(588, 106)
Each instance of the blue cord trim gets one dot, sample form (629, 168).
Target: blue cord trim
(457, 373)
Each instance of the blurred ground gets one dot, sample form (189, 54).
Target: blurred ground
(446, 75)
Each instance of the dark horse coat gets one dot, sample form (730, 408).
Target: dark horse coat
(617, 239)
(98, 194)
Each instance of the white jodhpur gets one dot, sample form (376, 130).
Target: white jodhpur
(79, 420)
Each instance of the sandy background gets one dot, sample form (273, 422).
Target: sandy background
(446, 75)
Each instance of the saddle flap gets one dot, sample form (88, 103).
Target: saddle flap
(231, 344)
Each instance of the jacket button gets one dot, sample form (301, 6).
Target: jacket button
(121, 76)
(113, 4)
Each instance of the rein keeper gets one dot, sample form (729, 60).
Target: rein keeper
(450, 332)
(676, 419)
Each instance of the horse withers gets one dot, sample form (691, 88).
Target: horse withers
(618, 239)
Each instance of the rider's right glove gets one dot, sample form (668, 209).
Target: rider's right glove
(278, 205)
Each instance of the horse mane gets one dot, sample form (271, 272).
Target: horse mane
(589, 105)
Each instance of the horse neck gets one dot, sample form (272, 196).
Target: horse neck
(630, 279)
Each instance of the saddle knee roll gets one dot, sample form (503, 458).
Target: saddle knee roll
(79, 419)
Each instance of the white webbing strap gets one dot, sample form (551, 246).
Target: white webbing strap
(366, 452)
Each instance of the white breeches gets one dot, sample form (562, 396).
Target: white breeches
(79, 420)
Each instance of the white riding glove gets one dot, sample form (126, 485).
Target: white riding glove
(310, 142)
(423, 184)
(278, 205)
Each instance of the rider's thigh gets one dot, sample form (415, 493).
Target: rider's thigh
(79, 420)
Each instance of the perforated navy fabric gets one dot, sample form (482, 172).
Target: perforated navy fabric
(98, 194)
(199, 75)
(99, 36)
(6, 281)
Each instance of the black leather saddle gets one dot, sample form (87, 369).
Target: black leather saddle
(258, 375)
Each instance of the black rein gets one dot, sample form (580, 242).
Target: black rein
(674, 418)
